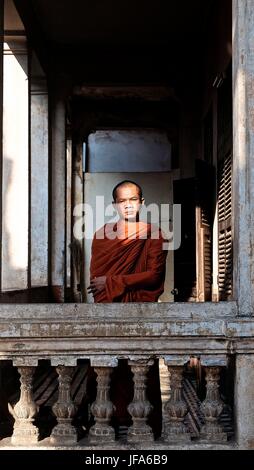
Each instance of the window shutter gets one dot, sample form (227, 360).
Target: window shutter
(224, 188)
(225, 245)
(185, 256)
(204, 221)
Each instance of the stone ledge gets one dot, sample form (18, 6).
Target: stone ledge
(5, 444)
(146, 310)
(125, 327)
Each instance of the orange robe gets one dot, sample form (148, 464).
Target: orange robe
(133, 263)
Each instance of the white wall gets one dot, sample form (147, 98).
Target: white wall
(128, 150)
(15, 168)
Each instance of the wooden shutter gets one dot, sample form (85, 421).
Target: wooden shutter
(204, 220)
(185, 256)
(224, 185)
(225, 245)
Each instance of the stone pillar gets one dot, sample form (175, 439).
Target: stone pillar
(102, 408)
(244, 403)
(64, 409)
(1, 126)
(79, 292)
(25, 432)
(243, 154)
(212, 405)
(58, 194)
(38, 178)
(140, 407)
(174, 429)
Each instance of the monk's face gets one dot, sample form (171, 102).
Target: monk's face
(128, 202)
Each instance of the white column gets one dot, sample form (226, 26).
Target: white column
(58, 195)
(15, 167)
(39, 183)
(1, 123)
(77, 245)
(68, 209)
(243, 150)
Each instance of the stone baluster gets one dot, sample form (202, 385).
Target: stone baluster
(102, 408)
(175, 410)
(164, 377)
(140, 407)
(64, 432)
(25, 410)
(212, 407)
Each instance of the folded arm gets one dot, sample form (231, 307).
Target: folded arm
(116, 285)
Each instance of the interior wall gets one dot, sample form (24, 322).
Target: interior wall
(142, 155)
(128, 150)
(101, 185)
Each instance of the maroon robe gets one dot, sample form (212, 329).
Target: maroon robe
(133, 263)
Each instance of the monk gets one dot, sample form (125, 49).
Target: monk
(128, 260)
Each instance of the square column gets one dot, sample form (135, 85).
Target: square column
(244, 401)
(58, 195)
(243, 154)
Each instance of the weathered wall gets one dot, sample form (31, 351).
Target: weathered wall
(128, 150)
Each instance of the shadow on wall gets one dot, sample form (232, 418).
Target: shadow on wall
(14, 278)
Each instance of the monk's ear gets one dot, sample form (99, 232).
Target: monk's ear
(142, 201)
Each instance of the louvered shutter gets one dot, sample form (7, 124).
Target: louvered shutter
(224, 188)
(204, 221)
(185, 256)
(225, 245)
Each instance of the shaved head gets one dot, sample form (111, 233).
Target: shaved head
(126, 183)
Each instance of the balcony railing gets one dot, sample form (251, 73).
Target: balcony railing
(74, 337)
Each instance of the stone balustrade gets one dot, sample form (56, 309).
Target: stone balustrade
(26, 433)
(141, 334)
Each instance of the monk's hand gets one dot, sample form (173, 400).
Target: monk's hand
(97, 285)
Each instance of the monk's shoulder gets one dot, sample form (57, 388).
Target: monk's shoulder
(103, 232)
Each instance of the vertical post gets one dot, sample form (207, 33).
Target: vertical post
(1, 126)
(38, 176)
(176, 408)
(102, 408)
(25, 432)
(140, 407)
(243, 154)
(212, 407)
(244, 403)
(215, 250)
(64, 409)
(57, 194)
(77, 199)
(165, 391)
